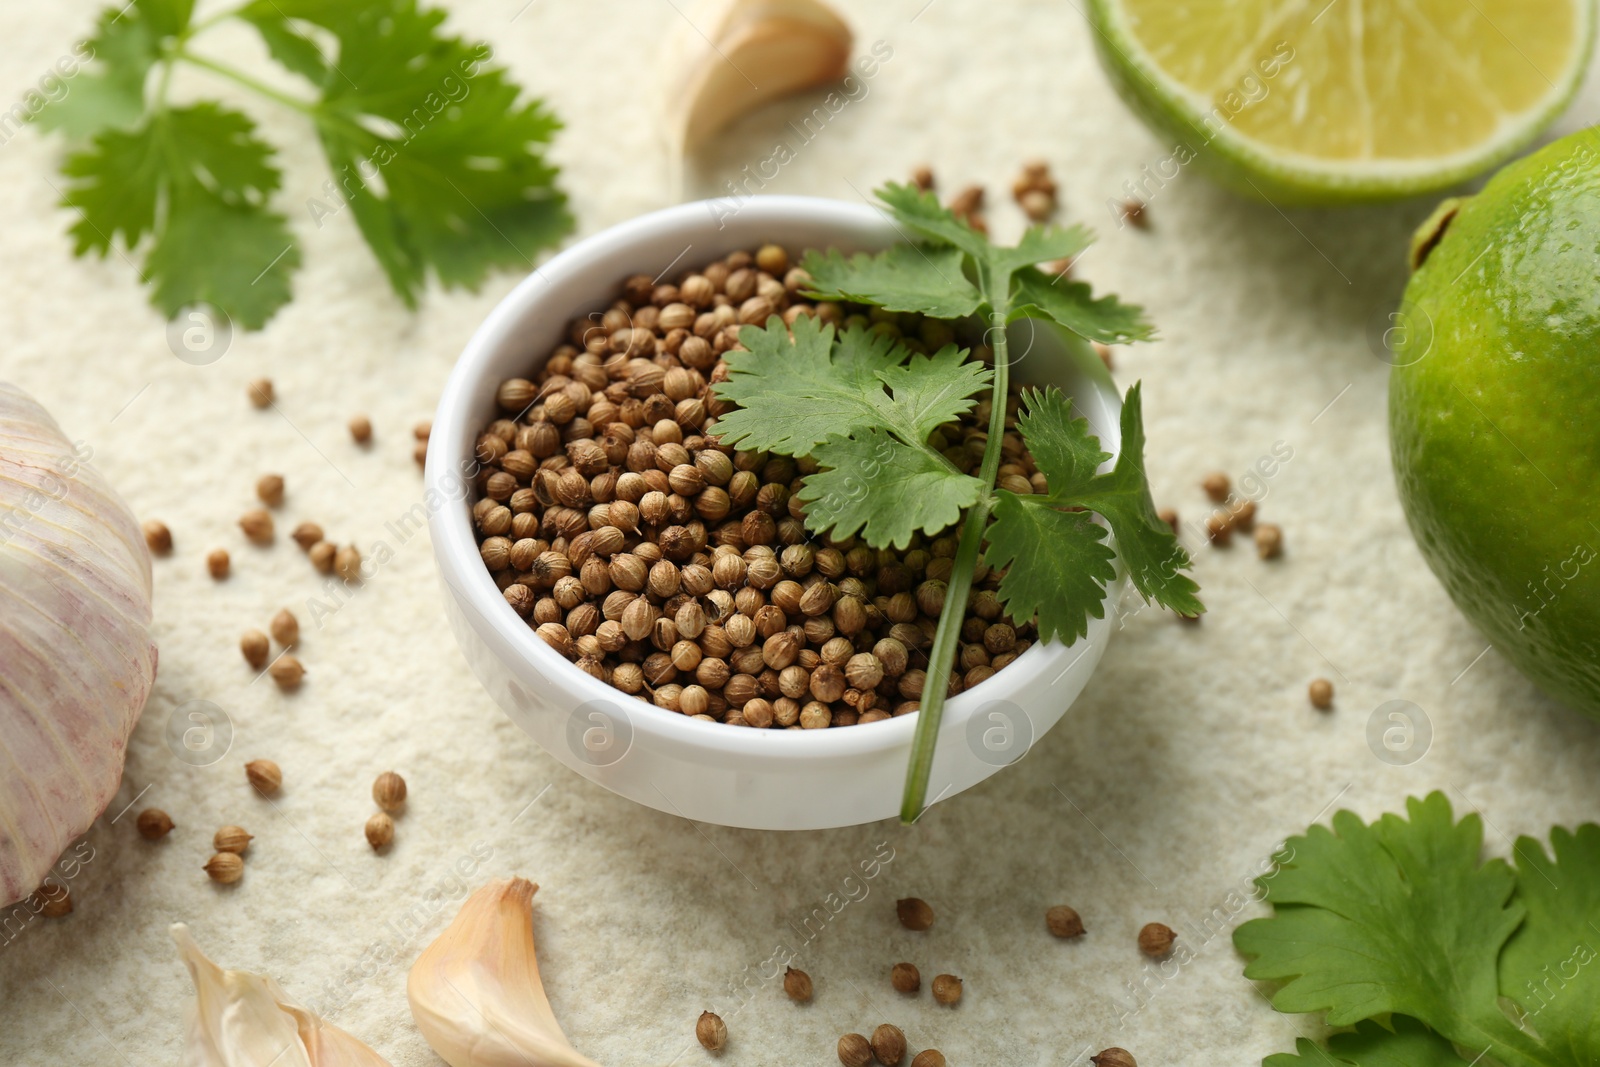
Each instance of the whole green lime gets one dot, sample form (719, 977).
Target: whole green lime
(1494, 412)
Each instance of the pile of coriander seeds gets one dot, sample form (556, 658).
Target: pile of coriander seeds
(678, 569)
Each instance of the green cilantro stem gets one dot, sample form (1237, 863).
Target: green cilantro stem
(240, 78)
(947, 636)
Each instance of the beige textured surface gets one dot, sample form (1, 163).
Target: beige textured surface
(1191, 754)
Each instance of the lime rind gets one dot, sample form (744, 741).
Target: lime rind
(1254, 169)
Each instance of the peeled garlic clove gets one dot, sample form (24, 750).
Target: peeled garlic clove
(475, 992)
(240, 1019)
(731, 56)
(76, 657)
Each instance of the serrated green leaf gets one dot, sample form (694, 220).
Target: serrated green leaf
(883, 489)
(215, 240)
(1072, 304)
(1396, 917)
(286, 42)
(439, 161)
(922, 213)
(1551, 966)
(1409, 1044)
(926, 279)
(1040, 244)
(1067, 453)
(1058, 563)
(794, 392)
(110, 93)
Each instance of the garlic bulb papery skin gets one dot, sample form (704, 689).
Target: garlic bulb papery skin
(476, 994)
(239, 1019)
(76, 657)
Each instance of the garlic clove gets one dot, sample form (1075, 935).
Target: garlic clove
(732, 56)
(475, 991)
(240, 1019)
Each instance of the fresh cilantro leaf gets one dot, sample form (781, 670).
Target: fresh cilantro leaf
(1057, 564)
(197, 180)
(1068, 455)
(287, 42)
(922, 213)
(1072, 304)
(1549, 967)
(794, 392)
(1040, 244)
(110, 94)
(884, 489)
(437, 158)
(901, 278)
(1409, 1044)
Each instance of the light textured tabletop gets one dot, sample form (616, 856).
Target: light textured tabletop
(1192, 753)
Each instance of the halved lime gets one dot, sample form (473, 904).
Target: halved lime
(1323, 101)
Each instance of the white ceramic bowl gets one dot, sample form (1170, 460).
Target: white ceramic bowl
(763, 779)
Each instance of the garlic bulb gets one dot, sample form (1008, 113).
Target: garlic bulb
(731, 56)
(240, 1019)
(475, 992)
(76, 658)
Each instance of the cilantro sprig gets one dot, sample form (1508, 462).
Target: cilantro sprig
(867, 409)
(431, 149)
(1436, 958)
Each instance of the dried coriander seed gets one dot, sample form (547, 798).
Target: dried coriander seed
(711, 1031)
(360, 429)
(225, 868)
(285, 627)
(261, 392)
(323, 555)
(1321, 693)
(157, 538)
(347, 563)
(797, 984)
(264, 776)
(269, 488)
(928, 1057)
(379, 831)
(889, 1044)
(1269, 541)
(854, 1051)
(218, 563)
(53, 901)
(1155, 940)
(288, 672)
(153, 824)
(913, 912)
(905, 978)
(389, 791)
(1216, 485)
(946, 989)
(306, 535)
(1063, 921)
(1114, 1057)
(233, 839)
(255, 648)
(257, 526)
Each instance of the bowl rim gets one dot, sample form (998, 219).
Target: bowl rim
(455, 547)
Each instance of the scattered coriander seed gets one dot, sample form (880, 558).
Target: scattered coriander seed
(1321, 694)
(53, 901)
(905, 978)
(1216, 485)
(380, 831)
(285, 627)
(889, 1044)
(153, 824)
(323, 555)
(260, 392)
(288, 672)
(711, 1031)
(422, 430)
(347, 562)
(928, 1057)
(255, 648)
(1219, 527)
(1136, 214)
(157, 538)
(914, 913)
(946, 988)
(218, 563)
(922, 177)
(1155, 940)
(797, 984)
(265, 776)
(1269, 540)
(360, 429)
(269, 487)
(225, 867)
(855, 1051)
(306, 535)
(1243, 514)
(389, 791)
(233, 839)
(257, 526)
(1064, 921)
(1114, 1057)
